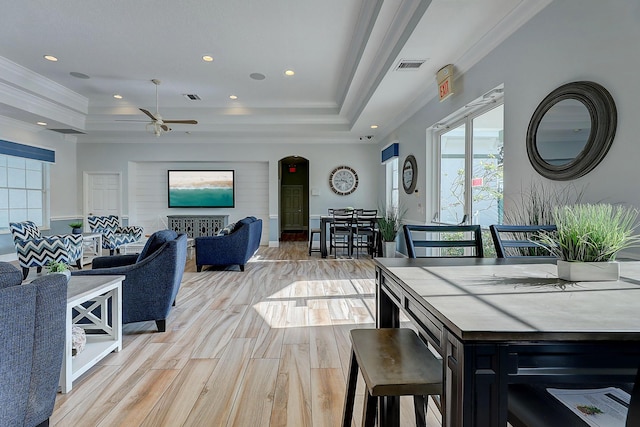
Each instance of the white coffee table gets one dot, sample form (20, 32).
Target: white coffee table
(136, 247)
(98, 290)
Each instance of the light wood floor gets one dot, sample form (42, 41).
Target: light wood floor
(264, 347)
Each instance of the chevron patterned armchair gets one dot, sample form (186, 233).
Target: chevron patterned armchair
(35, 250)
(113, 235)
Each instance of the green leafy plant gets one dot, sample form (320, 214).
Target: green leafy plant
(591, 232)
(77, 224)
(390, 223)
(57, 267)
(535, 206)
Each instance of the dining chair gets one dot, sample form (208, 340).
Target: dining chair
(365, 230)
(443, 240)
(513, 241)
(341, 230)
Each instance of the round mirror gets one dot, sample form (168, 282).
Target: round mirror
(571, 130)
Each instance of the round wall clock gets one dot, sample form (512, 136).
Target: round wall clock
(343, 180)
(409, 174)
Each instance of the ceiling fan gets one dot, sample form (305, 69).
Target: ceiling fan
(158, 124)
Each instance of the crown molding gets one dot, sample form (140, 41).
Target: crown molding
(35, 84)
(505, 28)
(28, 106)
(404, 20)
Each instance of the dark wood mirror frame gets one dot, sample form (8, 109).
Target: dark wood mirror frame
(602, 110)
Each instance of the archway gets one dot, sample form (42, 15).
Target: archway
(294, 198)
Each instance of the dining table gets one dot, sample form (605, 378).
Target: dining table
(325, 221)
(503, 322)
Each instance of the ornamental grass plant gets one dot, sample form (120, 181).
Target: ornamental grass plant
(591, 232)
(389, 224)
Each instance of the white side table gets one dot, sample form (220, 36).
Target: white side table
(91, 246)
(98, 290)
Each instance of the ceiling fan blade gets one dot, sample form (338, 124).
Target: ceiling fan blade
(165, 128)
(148, 114)
(184, 122)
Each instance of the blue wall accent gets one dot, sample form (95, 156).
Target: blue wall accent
(26, 151)
(390, 152)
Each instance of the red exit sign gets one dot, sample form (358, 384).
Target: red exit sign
(445, 89)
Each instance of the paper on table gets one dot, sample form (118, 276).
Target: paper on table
(611, 401)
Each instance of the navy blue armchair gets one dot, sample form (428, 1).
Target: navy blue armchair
(32, 340)
(152, 277)
(234, 248)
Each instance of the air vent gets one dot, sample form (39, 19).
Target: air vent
(410, 64)
(68, 131)
(192, 97)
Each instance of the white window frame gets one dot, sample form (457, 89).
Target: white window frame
(463, 116)
(392, 192)
(42, 222)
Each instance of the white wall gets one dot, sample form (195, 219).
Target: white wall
(569, 40)
(322, 159)
(148, 186)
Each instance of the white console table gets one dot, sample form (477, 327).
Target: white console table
(91, 246)
(98, 291)
(197, 225)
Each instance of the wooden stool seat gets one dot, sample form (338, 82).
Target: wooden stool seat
(311, 233)
(393, 362)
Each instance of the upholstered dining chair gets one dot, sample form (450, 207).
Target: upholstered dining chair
(113, 235)
(35, 250)
(444, 240)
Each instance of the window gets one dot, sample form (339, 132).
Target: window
(470, 168)
(392, 184)
(23, 191)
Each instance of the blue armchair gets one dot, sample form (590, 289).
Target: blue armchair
(32, 341)
(152, 277)
(113, 235)
(35, 250)
(230, 249)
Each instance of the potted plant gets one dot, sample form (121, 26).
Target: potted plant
(588, 238)
(58, 267)
(389, 226)
(76, 227)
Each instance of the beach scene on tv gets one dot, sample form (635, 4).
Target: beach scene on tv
(201, 189)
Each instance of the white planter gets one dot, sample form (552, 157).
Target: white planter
(588, 271)
(389, 249)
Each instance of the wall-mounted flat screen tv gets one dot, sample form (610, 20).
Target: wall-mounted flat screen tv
(201, 189)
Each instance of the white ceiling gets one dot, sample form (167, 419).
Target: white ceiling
(344, 54)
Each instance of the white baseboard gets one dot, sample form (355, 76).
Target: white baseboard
(9, 257)
(274, 244)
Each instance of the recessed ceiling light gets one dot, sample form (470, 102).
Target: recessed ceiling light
(207, 58)
(374, 126)
(117, 96)
(257, 76)
(41, 123)
(233, 97)
(79, 75)
(50, 58)
(289, 73)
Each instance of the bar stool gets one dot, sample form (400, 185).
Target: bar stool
(311, 234)
(393, 362)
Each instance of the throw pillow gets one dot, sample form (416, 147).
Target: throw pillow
(227, 230)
